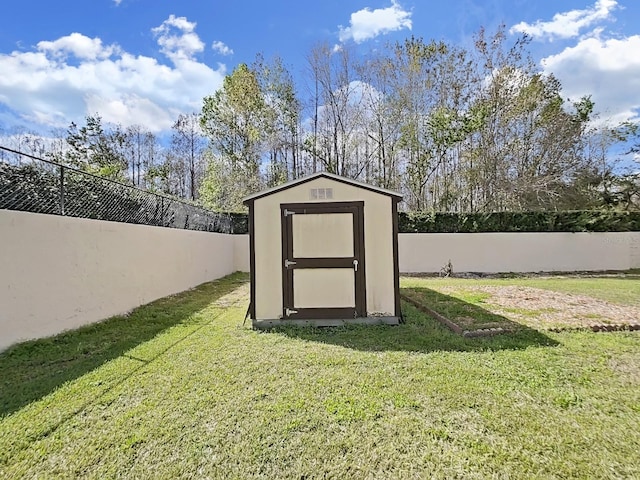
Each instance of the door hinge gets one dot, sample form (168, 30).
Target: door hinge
(288, 311)
(288, 212)
(355, 265)
(288, 263)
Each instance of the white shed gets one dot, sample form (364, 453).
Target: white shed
(324, 251)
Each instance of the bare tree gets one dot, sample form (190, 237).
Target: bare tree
(188, 144)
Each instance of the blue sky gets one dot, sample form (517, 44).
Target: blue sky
(146, 61)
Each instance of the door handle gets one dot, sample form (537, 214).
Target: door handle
(355, 265)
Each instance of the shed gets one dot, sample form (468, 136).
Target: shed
(324, 251)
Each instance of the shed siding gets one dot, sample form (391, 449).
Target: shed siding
(378, 228)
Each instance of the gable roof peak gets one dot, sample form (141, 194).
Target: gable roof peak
(313, 176)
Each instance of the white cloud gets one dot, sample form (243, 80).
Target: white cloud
(366, 23)
(66, 79)
(146, 111)
(607, 69)
(177, 38)
(221, 48)
(117, 2)
(568, 24)
(181, 23)
(76, 44)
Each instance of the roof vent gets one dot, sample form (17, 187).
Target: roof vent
(321, 193)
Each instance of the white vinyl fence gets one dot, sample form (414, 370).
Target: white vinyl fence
(58, 273)
(519, 252)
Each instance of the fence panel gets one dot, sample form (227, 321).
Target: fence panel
(32, 184)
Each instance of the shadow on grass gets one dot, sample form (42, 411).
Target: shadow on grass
(464, 312)
(33, 369)
(421, 333)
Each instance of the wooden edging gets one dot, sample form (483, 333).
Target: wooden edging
(483, 332)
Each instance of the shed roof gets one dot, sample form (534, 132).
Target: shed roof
(313, 176)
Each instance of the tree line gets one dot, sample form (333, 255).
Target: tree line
(455, 129)
(132, 155)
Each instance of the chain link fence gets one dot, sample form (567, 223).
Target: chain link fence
(32, 184)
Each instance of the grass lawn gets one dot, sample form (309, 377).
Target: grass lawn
(180, 388)
(623, 289)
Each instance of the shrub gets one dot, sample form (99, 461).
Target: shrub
(570, 221)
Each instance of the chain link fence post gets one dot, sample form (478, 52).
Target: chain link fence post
(162, 211)
(61, 190)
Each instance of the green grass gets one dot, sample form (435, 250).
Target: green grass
(623, 289)
(464, 308)
(179, 389)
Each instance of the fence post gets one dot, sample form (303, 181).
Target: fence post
(61, 190)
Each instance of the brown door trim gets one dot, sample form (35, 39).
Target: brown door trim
(322, 313)
(325, 207)
(323, 262)
(287, 211)
(287, 273)
(252, 262)
(358, 252)
(396, 267)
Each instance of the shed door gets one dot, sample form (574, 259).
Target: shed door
(323, 267)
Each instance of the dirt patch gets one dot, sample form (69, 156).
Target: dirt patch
(626, 366)
(235, 298)
(538, 308)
